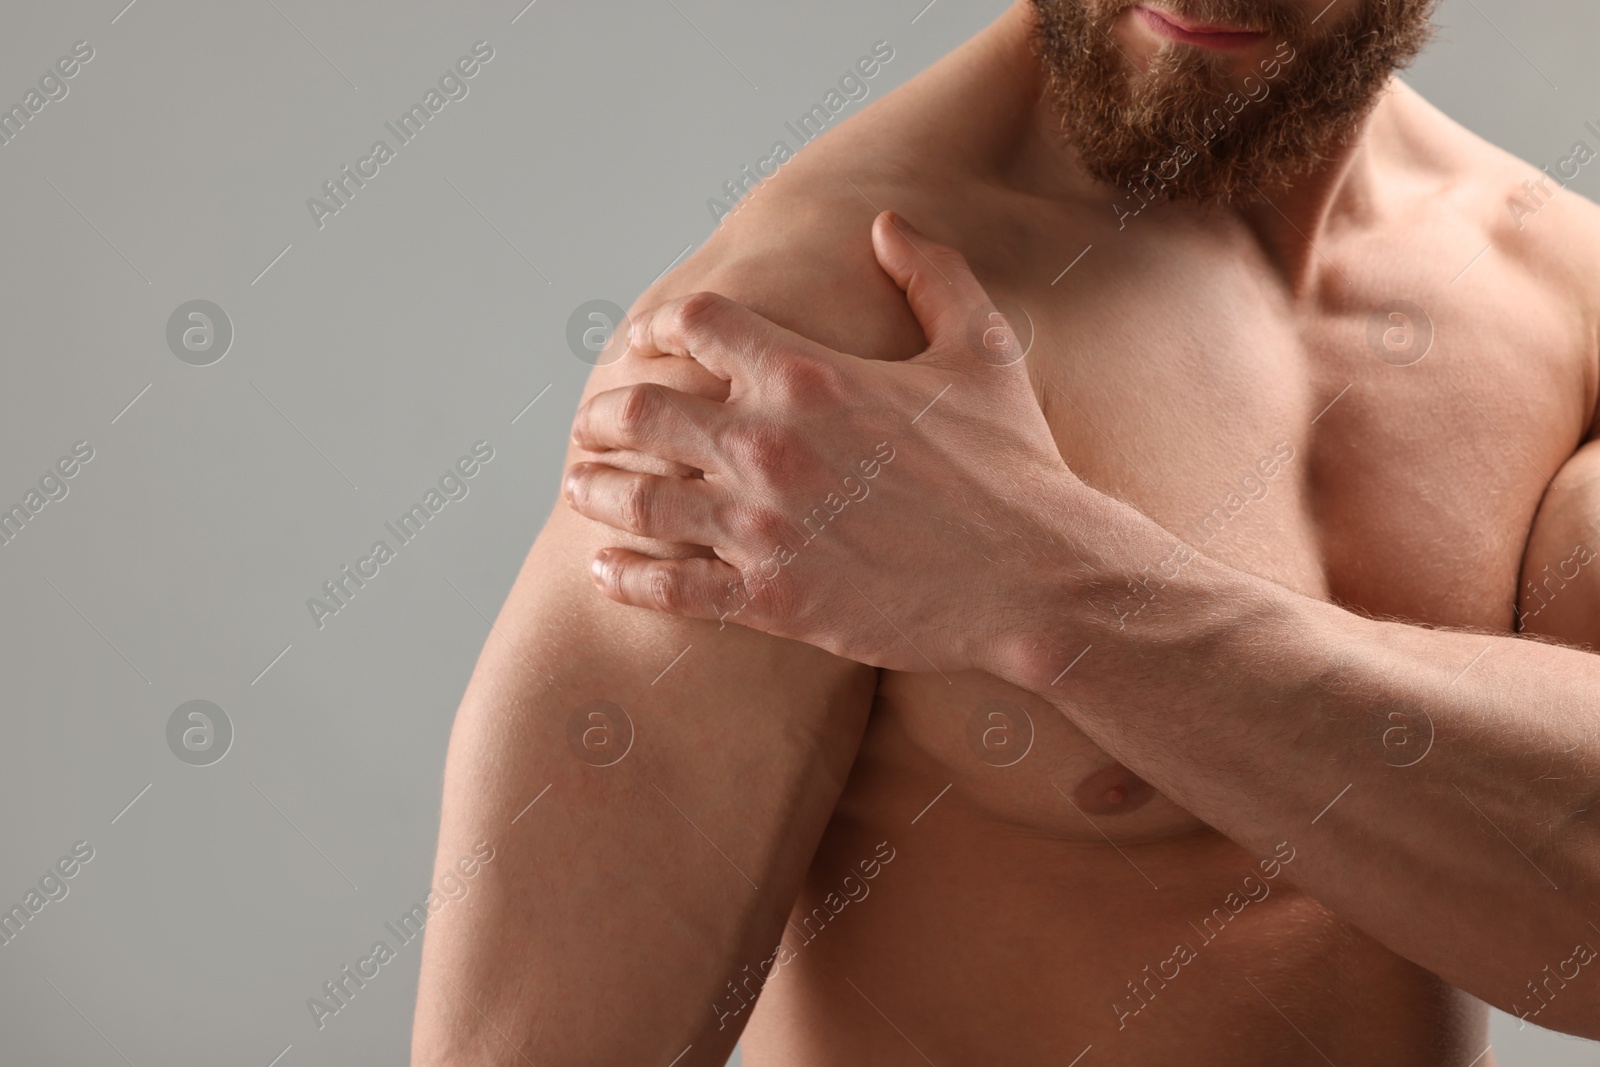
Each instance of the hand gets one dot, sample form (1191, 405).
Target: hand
(886, 512)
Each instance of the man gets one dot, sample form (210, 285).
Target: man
(1198, 735)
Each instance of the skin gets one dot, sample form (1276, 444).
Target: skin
(1329, 666)
(1020, 901)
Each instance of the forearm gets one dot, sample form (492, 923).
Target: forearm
(1439, 786)
(623, 901)
(1270, 715)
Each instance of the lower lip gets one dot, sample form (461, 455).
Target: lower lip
(1219, 39)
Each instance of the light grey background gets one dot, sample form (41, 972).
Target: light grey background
(423, 317)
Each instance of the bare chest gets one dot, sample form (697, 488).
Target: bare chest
(1386, 452)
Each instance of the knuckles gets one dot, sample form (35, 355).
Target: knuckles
(637, 506)
(636, 412)
(698, 314)
(778, 600)
(770, 528)
(753, 525)
(809, 381)
(663, 589)
(759, 448)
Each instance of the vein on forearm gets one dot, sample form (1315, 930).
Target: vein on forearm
(1271, 716)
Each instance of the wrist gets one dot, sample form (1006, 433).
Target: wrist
(1074, 588)
(1141, 608)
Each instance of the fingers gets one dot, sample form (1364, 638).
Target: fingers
(645, 417)
(665, 507)
(943, 292)
(693, 588)
(725, 337)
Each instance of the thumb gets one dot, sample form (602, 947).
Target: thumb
(953, 309)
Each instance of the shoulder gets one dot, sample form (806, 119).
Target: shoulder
(798, 253)
(1526, 214)
(798, 250)
(797, 247)
(1524, 209)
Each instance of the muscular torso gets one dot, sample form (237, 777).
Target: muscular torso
(1038, 893)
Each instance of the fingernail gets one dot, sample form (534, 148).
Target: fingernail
(597, 568)
(569, 485)
(637, 327)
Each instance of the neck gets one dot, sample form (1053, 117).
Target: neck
(1292, 223)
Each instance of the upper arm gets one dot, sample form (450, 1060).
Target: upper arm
(617, 908)
(1560, 591)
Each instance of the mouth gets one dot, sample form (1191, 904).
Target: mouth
(1202, 34)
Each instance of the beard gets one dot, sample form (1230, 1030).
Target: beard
(1188, 129)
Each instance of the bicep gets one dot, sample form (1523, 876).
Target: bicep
(1559, 594)
(684, 772)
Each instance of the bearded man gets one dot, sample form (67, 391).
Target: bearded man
(1126, 675)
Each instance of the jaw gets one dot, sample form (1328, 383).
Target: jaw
(1226, 121)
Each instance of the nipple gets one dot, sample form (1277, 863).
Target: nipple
(1113, 790)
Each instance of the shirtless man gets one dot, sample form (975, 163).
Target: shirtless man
(1157, 704)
